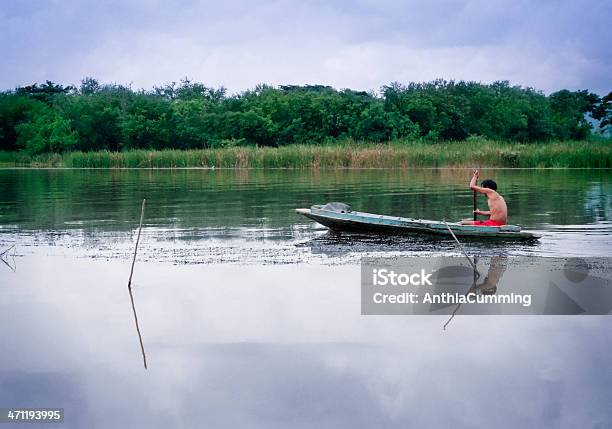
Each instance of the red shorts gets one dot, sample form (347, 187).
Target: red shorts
(488, 223)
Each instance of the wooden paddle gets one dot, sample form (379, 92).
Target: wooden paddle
(474, 203)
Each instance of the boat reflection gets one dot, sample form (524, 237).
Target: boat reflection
(350, 245)
(333, 244)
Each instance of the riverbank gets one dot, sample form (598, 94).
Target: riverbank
(482, 153)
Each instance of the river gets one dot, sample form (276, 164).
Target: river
(250, 313)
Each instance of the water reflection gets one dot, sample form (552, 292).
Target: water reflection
(497, 268)
(280, 346)
(247, 325)
(7, 257)
(226, 216)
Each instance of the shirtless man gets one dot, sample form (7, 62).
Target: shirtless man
(498, 212)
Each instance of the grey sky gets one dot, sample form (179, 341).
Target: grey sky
(362, 45)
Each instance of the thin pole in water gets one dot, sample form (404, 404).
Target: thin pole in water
(473, 288)
(472, 263)
(461, 247)
(144, 356)
(5, 253)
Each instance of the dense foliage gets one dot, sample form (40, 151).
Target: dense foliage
(54, 118)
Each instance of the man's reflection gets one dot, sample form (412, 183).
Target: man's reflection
(497, 268)
(496, 271)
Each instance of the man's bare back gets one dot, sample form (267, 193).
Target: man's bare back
(498, 211)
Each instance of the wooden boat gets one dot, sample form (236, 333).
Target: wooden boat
(339, 217)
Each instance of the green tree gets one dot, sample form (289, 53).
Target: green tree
(96, 119)
(192, 115)
(47, 132)
(89, 86)
(14, 110)
(603, 112)
(146, 122)
(568, 113)
(45, 92)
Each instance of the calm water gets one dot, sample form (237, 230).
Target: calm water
(250, 314)
(203, 216)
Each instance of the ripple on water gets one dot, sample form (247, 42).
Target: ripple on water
(247, 217)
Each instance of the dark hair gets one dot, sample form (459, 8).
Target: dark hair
(488, 183)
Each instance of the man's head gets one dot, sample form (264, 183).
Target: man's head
(488, 183)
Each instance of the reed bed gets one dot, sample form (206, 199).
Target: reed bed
(400, 154)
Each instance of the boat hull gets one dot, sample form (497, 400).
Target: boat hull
(373, 223)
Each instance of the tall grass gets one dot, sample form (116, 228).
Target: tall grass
(398, 154)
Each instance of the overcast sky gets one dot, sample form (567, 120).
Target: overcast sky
(364, 44)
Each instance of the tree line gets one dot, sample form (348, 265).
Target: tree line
(51, 117)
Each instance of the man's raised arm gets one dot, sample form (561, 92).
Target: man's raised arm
(475, 187)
